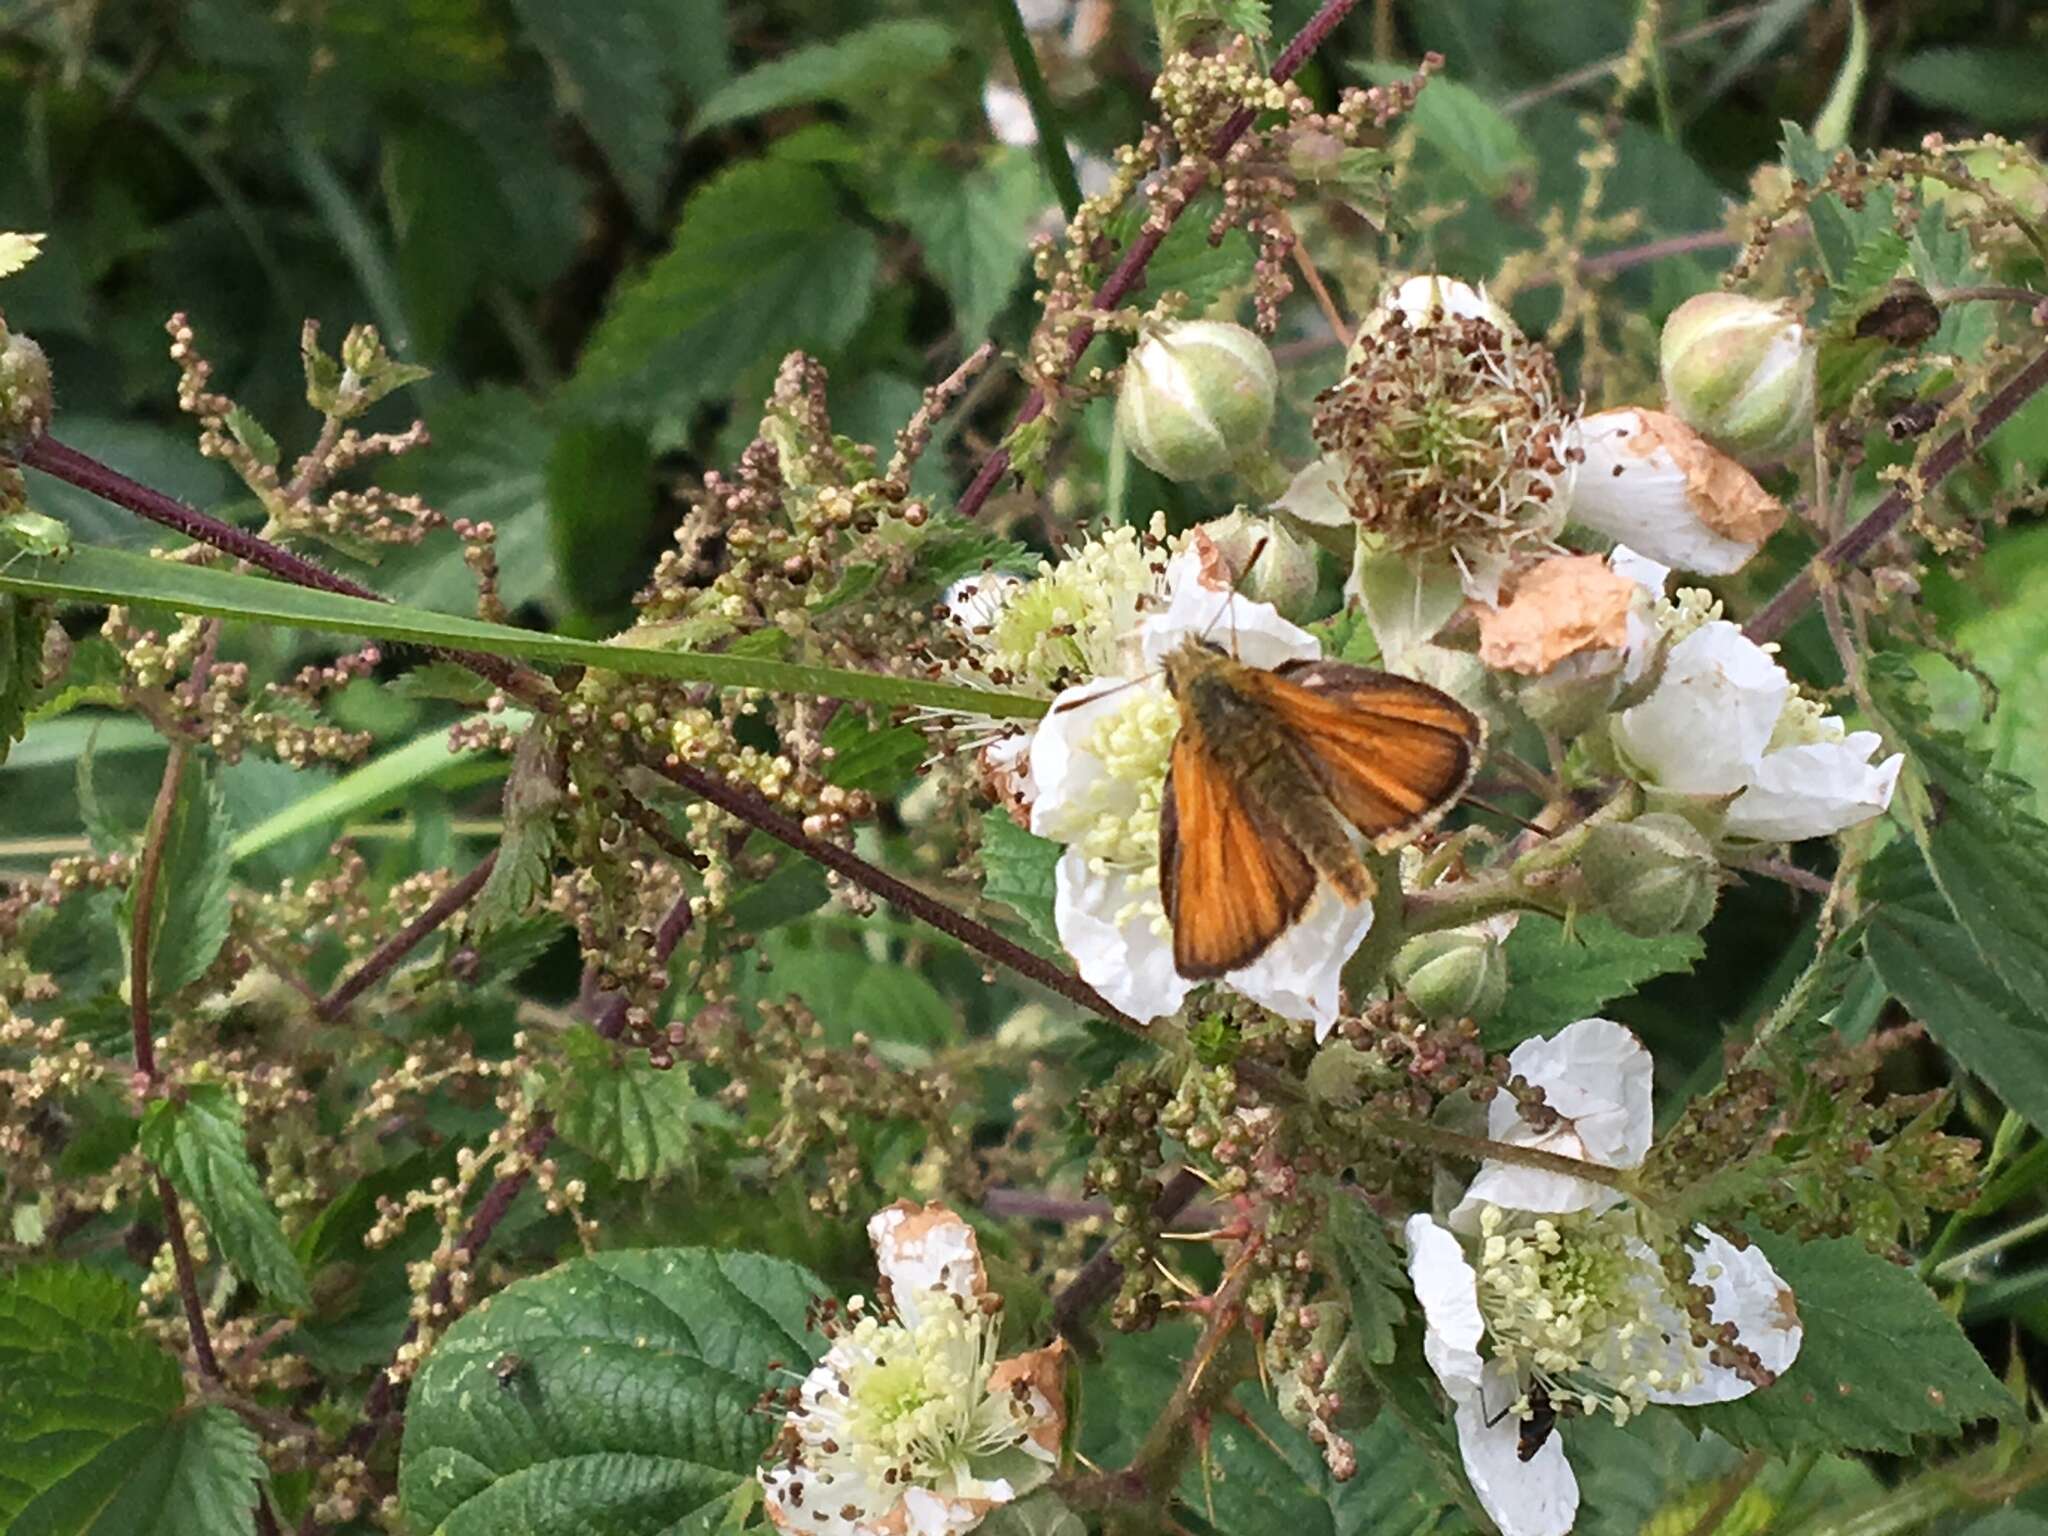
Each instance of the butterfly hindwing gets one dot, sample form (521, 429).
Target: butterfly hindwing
(1231, 880)
(1394, 754)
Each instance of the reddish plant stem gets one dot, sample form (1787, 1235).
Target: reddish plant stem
(1102, 1273)
(1130, 271)
(109, 484)
(386, 957)
(387, 1394)
(756, 812)
(1854, 546)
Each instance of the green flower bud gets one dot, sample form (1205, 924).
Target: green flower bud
(1739, 372)
(1652, 876)
(1197, 396)
(1461, 973)
(25, 397)
(1270, 563)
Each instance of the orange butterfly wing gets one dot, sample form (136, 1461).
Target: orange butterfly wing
(1394, 754)
(1232, 881)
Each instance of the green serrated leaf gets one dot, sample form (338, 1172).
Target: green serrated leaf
(23, 624)
(630, 1404)
(765, 259)
(1558, 975)
(525, 870)
(1927, 960)
(972, 229)
(796, 889)
(197, 1474)
(845, 69)
(612, 1104)
(1017, 870)
(197, 1143)
(81, 1379)
(1881, 1361)
(1374, 1279)
(865, 756)
(1184, 23)
(190, 909)
(601, 511)
(2002, 86)
(441, 680)
(612, 71)
(1475, 138)
(1845, 360)
(253, 435)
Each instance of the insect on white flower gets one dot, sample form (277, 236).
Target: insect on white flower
(1542, 1300)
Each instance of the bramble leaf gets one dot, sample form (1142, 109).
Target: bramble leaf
(844, 69)
(614, 1393)
(1557, 976)
(1017, 870)
(1881, 1361)
(973, 229)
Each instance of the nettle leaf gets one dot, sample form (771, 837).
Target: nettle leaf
(1477, 140)
(615, 1393)
(197, 1143)
(2001, 87)
(973, 229)
(610, 1102)
(80, 1379)
(23, 623)
(1927, 960)
(844, 69)
(765, 260)
(198, 1474)
(611, 71)
(1881, 1361)
(1017, 869)
(533, 835)
(1374, 1279)
(1180, 23)
(866, 757)
(1558, 975)
(1186, 262)
(1844, 359)
(190, 908)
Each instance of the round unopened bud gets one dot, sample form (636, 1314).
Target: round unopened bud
(1461, 973)
(25, 395)
(1740, 373)
(1652, 876)
(1197, 396)
(1269, 563)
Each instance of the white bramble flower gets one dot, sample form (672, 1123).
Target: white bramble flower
(910, 1425)
(1726, 721)
(1092, 773)
(1655, 484)
(1543, 1287)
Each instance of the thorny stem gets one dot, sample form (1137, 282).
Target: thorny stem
(1130, 271)
(109, 484)
(1855, 545)
(387, 956)
(1052, 144)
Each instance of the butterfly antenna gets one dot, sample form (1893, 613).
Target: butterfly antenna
(1258, 549)
(1493, 810)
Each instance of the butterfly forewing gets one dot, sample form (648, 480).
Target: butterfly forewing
(1231, 880)
(1394, 754)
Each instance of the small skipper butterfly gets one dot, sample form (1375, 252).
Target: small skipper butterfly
(1269, 772)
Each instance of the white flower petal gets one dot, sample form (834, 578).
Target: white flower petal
(1749, 1293)
(1705, 727)
(1313, 495)
(1537, 1497)
(1448, 1288)
(1815, 790)
(930, 1514)
(1422, 299)
(1298, 977)
(1009, 115)
(977, 601)
(1109, 923)
(1064, 775)
(1640, 568)
(924, 1249)
(1594, 1073)
(1633, 487)
(1208, 610)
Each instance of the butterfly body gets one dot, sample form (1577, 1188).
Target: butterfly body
(1272, 772)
